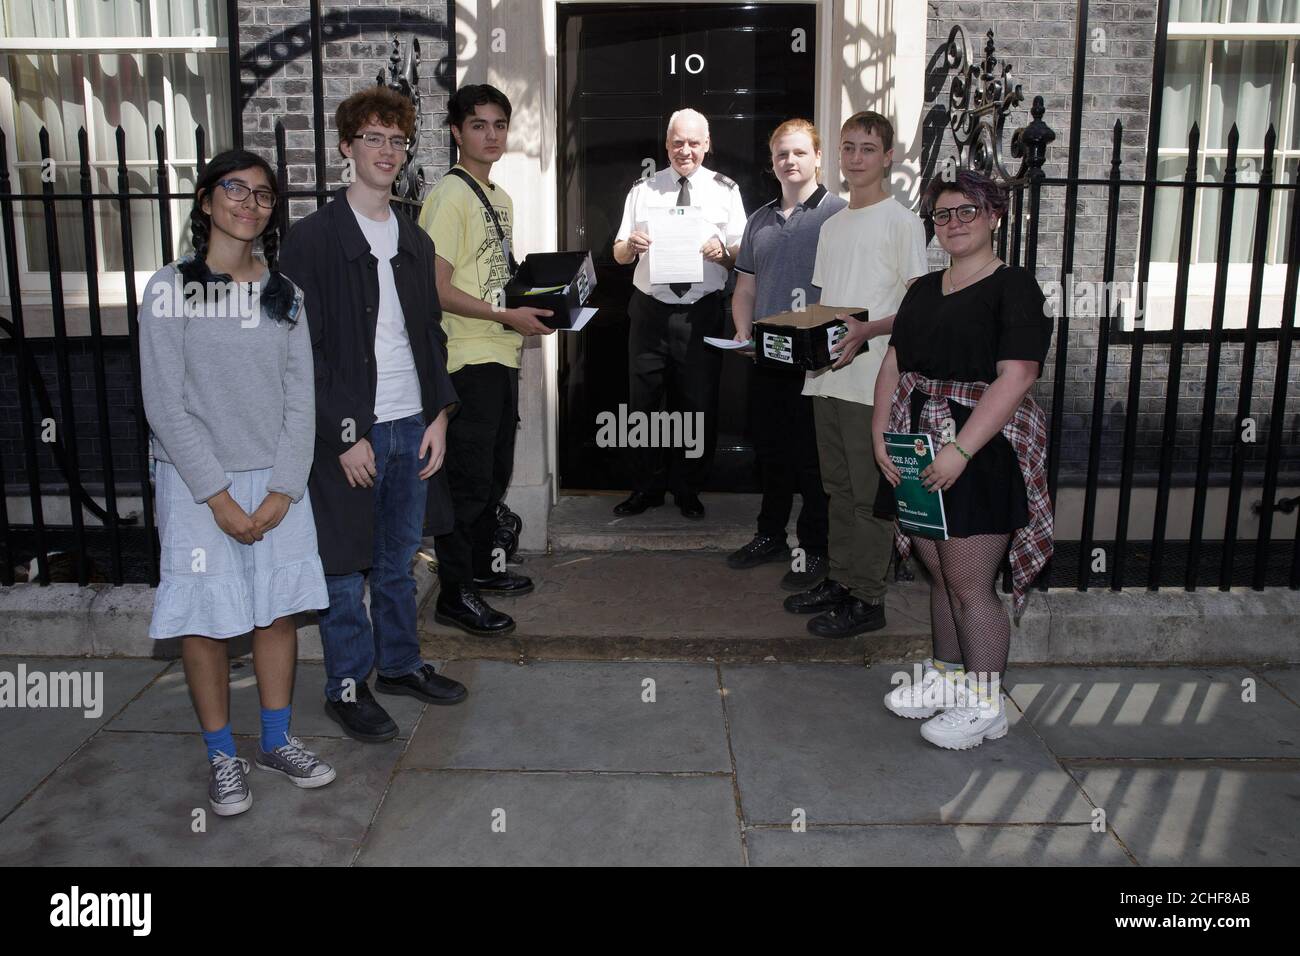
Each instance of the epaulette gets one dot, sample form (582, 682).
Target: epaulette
(729, 183)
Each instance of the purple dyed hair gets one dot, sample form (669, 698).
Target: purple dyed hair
(988, 194)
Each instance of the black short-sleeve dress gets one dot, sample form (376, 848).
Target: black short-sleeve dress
(961, 337)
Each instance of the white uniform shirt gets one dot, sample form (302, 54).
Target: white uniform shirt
(723, 213)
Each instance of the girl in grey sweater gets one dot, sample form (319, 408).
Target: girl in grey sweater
(228, 383)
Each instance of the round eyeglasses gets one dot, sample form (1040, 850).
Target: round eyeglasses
(966, 212)
(238, 192)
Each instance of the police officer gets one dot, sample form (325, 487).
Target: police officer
(666, 349)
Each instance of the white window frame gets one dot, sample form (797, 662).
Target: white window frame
(1163, 276)
(111, 284)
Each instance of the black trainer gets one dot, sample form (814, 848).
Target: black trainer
(851, 617)
(762, 549)
(362, 719)
(426, 684)
(823, 597)
(637, 502)
(505, 584)
(462, 607)
(815, 568)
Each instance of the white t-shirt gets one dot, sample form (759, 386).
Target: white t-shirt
(397, 391)
(864, 259)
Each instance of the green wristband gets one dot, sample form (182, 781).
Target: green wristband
(961, 451)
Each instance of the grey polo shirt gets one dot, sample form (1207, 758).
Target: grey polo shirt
(779, 252)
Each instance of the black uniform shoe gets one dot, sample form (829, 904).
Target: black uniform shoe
(853, 616)
(823, 597)
(815, 568)
(362, 719)
(506, 584)
(463, 608)
(762, 549)
(638, 502)
(426, 685)
(690, 505)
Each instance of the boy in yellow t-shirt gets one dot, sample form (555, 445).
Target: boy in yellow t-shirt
(470, 220)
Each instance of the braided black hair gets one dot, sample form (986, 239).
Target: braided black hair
(277, 298)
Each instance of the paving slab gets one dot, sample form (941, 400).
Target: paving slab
(1075, 845)
(816, 737)
(166, 707)
(446, 818)
(129, 800)
(1286, 679)
(577, 716)
(1176, 813)
(35, 741)
(1155, 712)
(672, 606)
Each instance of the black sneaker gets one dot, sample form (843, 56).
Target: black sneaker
(505, 584)
(426, 684)
(816, 566)
(362, 719)
(851, 617)
(462, 607)
(823, 597)
(762, 549)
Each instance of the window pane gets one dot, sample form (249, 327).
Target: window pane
(1295, 101)
(34, 18)
(1245, 203)
(1196, 11)
(145, 223)
(67, 215)
(1290, 170)
(1247, 90)
(113, 18)
(1184, 81)
(191, 18)
(1168, 205)
(47, 92)
(128, 93)
(201, 90)
(1265, 11)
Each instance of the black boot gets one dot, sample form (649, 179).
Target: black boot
(461, 606)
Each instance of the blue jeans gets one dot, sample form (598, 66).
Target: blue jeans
(352, 646)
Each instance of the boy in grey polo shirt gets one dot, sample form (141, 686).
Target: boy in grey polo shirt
(774, 274)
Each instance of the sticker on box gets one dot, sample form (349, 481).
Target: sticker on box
(778, 348)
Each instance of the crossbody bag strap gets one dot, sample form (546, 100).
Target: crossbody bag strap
(501, 233)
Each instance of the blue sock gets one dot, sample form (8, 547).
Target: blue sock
(221, 740)
(275, 728)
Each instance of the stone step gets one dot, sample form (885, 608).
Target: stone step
(581, 523)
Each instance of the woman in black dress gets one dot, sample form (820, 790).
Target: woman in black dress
(968, 344)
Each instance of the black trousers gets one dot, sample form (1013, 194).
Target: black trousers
(785, 444)
(480, 457)
(667, 359)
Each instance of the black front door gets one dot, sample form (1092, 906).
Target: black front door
(623, 70)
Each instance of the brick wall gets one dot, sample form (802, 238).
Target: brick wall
(1037, 39)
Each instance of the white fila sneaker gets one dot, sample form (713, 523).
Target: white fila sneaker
(929, 691)
(964, 727)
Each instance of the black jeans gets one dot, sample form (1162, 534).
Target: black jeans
(667, 358)
(785, 444)
(480, 457)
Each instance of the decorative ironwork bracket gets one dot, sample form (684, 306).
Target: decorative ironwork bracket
(404, 78)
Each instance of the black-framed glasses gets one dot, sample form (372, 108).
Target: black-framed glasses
(376, 140)
(238, 192)
(966, 212)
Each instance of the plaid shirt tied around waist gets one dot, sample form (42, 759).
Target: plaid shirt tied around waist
(1031, 546)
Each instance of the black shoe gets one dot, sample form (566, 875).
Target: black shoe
(762, 549)
(426, 684)
(638, 502)
(462, 607)
(690, 505)
(823, 597)
(362, 719)
(854, 616)
(815, 568)
(506, 584)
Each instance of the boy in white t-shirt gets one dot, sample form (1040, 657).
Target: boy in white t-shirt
(867, 254)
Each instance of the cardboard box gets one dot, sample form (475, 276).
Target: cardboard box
(568, 278)
(801, 339)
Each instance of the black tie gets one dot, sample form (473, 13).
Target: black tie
(683, 199)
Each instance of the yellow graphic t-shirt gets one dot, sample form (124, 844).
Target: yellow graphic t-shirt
(463, 234)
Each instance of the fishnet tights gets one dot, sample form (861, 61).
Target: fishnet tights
(969, 622)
